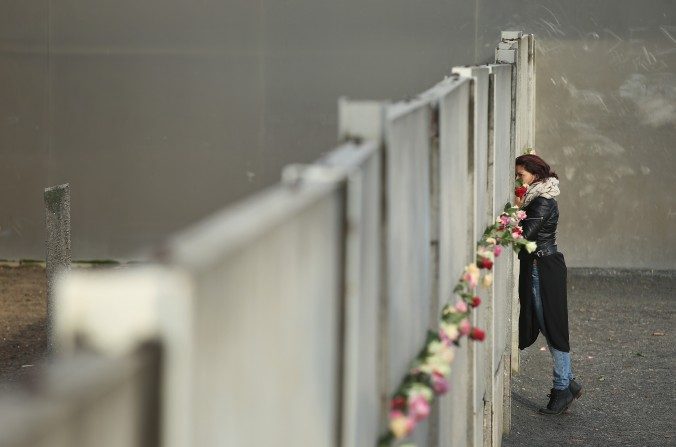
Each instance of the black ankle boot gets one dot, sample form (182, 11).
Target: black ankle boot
(559, 401)
(575, 389)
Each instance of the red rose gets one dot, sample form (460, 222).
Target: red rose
(486, 263)
(477, 334)
(520, 191)
(398, 403)
(475, 301)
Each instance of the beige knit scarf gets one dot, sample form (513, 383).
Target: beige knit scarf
(547, 188)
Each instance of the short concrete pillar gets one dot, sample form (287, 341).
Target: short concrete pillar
(57, 210)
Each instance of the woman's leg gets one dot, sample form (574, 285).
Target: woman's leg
(562, 373)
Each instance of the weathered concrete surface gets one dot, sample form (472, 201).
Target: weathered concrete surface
(619, 356)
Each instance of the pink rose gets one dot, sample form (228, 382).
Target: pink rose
(470, 279)
(461, 306)
(518, 231)
(471, 276)
(439, 383)
(497, 250)
(465, 326)
(521, 215)
(418, 408)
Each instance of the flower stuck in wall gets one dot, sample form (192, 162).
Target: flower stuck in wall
(429, 372)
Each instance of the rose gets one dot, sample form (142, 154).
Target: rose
(477, 334)
(398, 403)
(465, 327)
(487, 280)
(485, 258)
(520, 191)
(476, 301)
(471, 275)
(449, 332)
(400, 425)
(517, 232)
(486, 264)
(438, 359)
(418, 408)
(531, 246)
(484, 252)
(521, 215)
(450, 310)
(422, 389)
(433, 364)
(461, 306)
(440, 353)
(491, 241)
(497, 250)
(439, 383)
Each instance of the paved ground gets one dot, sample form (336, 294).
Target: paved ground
(624, 354)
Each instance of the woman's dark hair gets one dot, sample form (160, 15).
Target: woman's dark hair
(536, 166)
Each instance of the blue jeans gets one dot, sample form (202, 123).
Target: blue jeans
(562, 371)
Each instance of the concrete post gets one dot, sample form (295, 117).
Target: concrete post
(57, 217)
(518, 49)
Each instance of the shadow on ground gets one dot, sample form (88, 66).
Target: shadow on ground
(623, 351)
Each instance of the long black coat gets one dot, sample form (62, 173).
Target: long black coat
(542, 216)
(553, 277)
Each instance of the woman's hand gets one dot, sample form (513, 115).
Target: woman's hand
(518, 201)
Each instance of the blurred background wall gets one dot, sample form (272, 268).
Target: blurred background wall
(161, 112)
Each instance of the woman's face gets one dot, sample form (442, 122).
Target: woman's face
(526, 177)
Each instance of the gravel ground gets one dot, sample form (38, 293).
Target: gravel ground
(23, 322)
(623, 352)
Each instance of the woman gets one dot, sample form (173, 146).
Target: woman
(542, 279)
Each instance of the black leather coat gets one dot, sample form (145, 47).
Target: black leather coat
(542, 217)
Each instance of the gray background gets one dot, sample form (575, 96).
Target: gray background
(160, 112)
